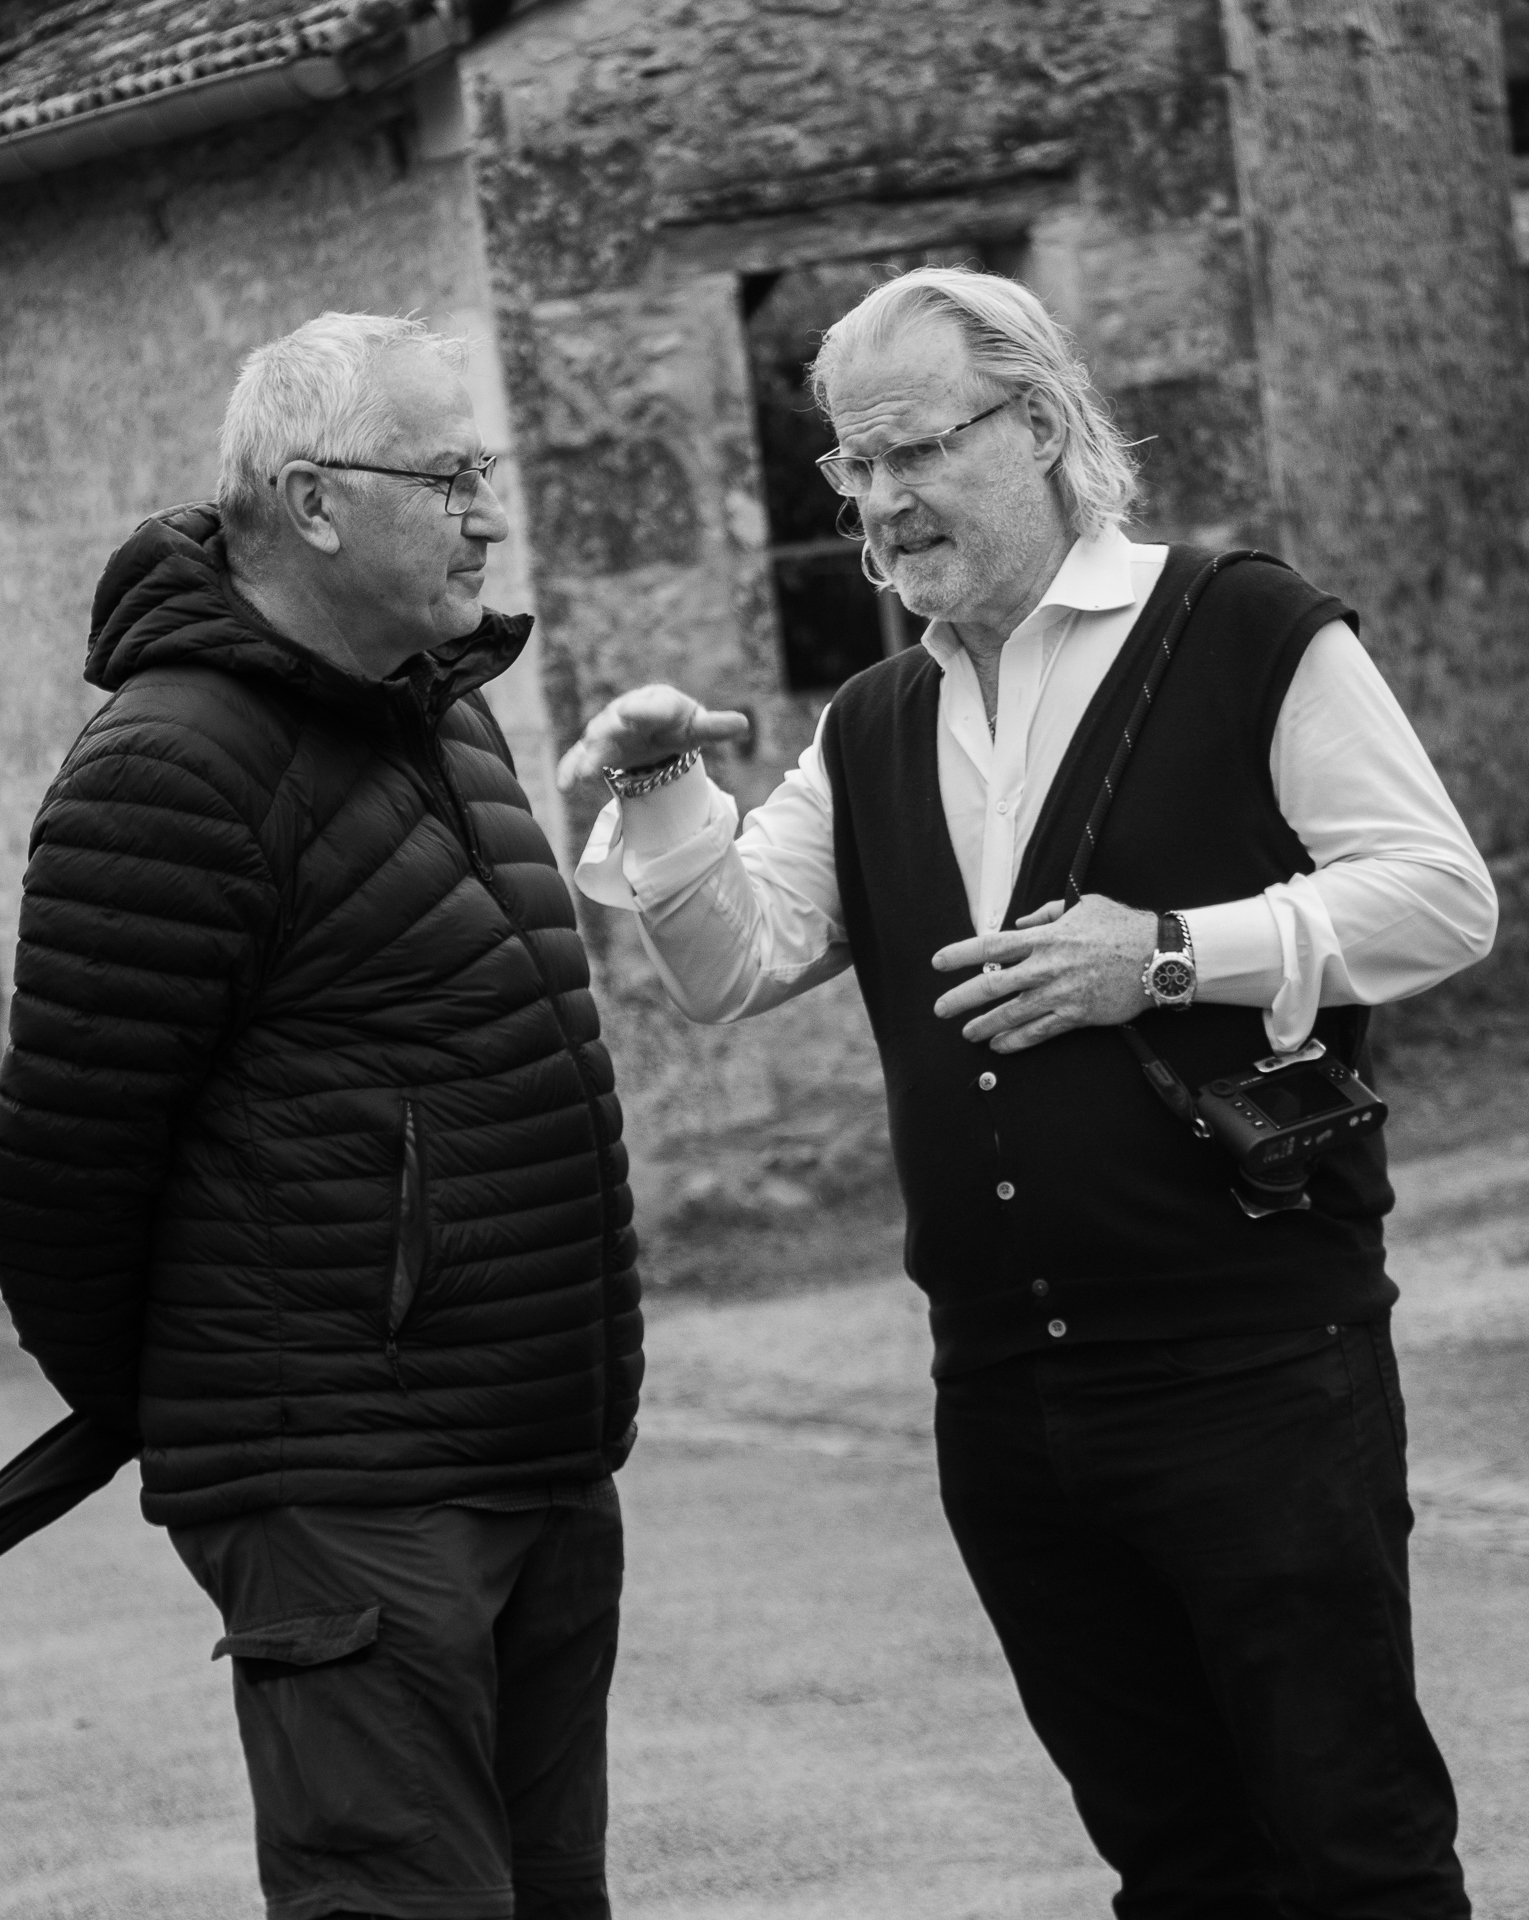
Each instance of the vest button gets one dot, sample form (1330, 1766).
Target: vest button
(1040, 1288)
(1056, 1328)
(987, 1081)
(1005, 1189)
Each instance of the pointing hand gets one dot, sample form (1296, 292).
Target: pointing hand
(640, 728)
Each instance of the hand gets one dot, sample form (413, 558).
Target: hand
(643, 727)
(1055, 971)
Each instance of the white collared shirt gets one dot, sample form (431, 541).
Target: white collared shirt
(1399, 900)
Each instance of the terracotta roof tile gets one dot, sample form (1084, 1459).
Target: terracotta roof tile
(57, 62)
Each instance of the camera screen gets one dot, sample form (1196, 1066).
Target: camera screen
(1299, 1095)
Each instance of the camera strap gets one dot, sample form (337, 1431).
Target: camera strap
(1162, 1079)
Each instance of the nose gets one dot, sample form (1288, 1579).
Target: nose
(485, 519)
(886, 498)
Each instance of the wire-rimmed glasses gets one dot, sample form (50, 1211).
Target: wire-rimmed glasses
(461, 488)
(910, 461)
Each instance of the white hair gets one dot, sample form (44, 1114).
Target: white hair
(1013, 343)
(311, 395)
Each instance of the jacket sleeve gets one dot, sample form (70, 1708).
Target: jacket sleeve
(144, 907)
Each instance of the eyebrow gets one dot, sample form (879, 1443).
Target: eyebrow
(456, 457)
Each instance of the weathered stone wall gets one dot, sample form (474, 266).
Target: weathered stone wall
(129, 294)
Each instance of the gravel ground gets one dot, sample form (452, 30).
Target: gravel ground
(811, 1717)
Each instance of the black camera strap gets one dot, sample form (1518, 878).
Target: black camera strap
(1162, 1079)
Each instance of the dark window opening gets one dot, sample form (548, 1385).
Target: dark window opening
(833, 622)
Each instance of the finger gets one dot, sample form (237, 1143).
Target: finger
(1035, 1033)
(1019, 1010)
(577, 764)
(705, 725)
(593, 750)
(993, 983)
(985, 950)
(1043, 916)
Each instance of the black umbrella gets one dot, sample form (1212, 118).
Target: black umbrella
(60, 1469)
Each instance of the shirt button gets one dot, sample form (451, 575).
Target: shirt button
(1040, 1288)
(1056, 1328)
(1003, 806)
(987, 1081)
(994, 917)
(1005, 1189)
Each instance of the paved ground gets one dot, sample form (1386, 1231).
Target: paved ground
(811, 1718)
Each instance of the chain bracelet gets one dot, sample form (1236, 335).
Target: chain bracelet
(633, 785)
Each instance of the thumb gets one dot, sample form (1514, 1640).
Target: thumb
(726, 725)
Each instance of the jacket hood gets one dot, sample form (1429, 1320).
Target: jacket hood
(166, 598)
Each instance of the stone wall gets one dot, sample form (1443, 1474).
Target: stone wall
(129, 294)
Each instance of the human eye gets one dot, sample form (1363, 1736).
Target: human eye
(915, 459)
(847, 473)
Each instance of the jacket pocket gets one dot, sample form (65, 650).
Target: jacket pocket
(411, 1228)
(328, 1733)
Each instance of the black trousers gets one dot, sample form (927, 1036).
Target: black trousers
(1195, 1555)
(421, 1696)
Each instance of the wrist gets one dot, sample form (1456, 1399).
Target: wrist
(1169, 979)
(631, 783)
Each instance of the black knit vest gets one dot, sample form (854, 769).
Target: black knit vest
(1122, 1225)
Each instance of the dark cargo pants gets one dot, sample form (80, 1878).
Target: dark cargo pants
(421, 1696)
(1195, 1555)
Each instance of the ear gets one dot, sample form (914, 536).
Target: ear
(1044, 419)
(306, 497)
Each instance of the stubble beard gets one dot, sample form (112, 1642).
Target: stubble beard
(937, 583)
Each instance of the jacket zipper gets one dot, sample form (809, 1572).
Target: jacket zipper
(410, 1239)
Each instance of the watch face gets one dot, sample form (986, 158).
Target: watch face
(1172, 979)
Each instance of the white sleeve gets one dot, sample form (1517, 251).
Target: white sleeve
(732, 926)
(1400, 898)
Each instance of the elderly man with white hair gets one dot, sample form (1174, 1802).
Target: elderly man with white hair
(312, 1188)
(1112, 789)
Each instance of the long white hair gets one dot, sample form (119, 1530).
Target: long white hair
(1014, 345)
(311, 395)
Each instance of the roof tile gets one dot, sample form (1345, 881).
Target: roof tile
(57, 62)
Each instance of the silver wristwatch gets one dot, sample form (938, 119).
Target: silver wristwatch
(633, 784)
(1169, 976)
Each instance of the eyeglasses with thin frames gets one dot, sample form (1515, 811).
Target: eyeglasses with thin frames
(910, 461)
(461, 487)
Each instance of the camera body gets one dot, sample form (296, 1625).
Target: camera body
(1279, 1115)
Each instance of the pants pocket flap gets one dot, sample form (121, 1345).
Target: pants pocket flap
(304, 1639)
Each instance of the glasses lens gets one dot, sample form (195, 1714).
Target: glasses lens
(847, 474)
(914, 460)
(463, 490)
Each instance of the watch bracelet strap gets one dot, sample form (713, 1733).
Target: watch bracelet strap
(633, 784)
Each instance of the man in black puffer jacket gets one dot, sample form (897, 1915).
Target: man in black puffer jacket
(311, 1178)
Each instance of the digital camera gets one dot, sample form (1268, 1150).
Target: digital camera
(1279, 1115)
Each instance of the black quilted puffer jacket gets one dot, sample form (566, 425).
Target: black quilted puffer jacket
(310, 1160)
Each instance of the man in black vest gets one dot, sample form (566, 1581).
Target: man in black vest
(1170, 1432)
(312, 1190)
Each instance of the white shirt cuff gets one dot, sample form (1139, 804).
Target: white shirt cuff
(1239, 960)
(648, 855)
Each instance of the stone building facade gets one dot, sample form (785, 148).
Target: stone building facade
(644, 212)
